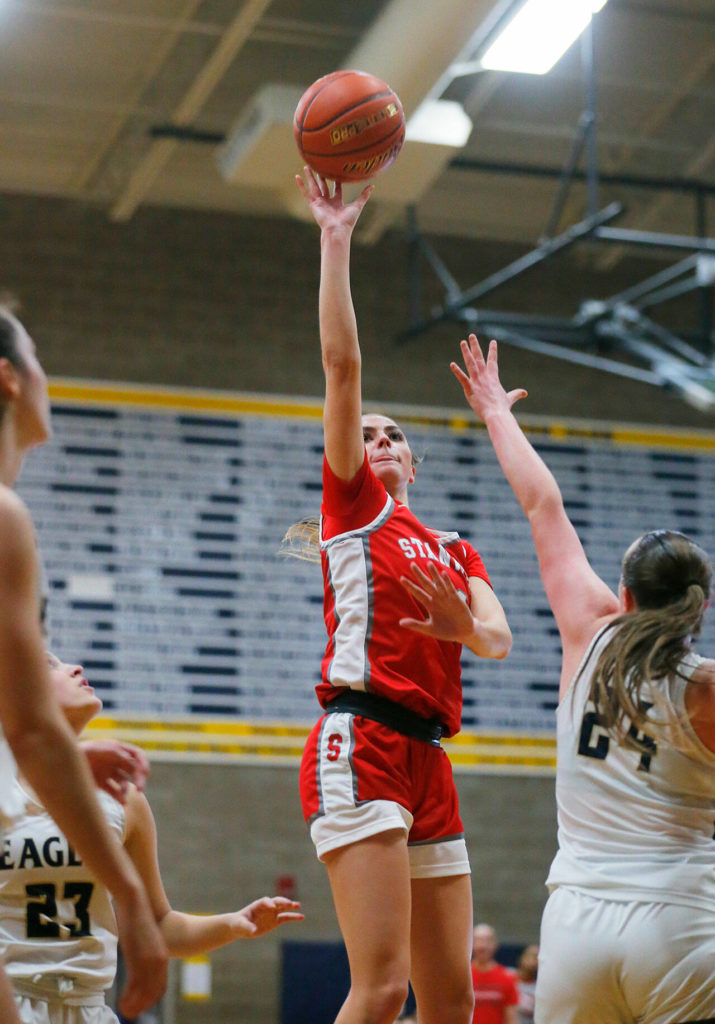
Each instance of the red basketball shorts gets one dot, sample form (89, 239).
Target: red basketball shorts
(359, 778)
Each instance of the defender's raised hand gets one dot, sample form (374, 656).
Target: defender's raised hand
(481, 385)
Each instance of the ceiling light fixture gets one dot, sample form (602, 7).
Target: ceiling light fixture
(538, 34)
(440, 122)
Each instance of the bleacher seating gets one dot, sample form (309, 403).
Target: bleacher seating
(159, 532)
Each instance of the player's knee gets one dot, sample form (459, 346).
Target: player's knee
(464, 1003)
(455, 1004)
(382, 1002)
(391, 996)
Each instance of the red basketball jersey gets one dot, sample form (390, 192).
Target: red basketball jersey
(368, 541)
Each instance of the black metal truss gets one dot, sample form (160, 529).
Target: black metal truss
(652, 353)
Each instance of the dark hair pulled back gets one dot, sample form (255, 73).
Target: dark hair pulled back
(8, 342)
(8, 336)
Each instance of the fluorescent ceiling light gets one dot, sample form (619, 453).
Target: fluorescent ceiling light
(538, 34)
(441, 122)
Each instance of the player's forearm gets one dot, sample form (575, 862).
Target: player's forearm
(338, 326)
(191, 934)
(530, 478)
(489, 639)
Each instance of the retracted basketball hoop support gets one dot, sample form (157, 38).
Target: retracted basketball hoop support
(619, 322)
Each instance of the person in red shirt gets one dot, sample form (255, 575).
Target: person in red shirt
(495, 994)
(400, 601)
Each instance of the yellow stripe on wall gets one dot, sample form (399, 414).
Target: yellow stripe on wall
(281, 743)
(237, 403)
(222, 402)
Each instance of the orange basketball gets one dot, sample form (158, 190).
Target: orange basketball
(349, 125)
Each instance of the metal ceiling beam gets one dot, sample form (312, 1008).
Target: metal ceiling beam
(692, 186)
(663, 112)
(655, 210)
(291, 32)
(697, 388)
(673, 291)
(670, 361)
(655, 239)
(168, 41)
(644, 288)
(203, 85)
(695, 385)
(575, 233)
(644, 328)
(570, 355)
(153, 22)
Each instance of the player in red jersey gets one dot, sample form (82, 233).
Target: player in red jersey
(400, 601)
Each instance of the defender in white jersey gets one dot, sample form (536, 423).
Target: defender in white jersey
(628, 933)
(33, 730)
(58, 931)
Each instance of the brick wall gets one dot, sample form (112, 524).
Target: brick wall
(215, 301)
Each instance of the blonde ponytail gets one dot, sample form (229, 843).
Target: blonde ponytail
(645, 645)
(302, 540)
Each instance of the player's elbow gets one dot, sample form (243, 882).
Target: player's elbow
(493, 641)
(503, 644)
(547, 506)
(35, 737)
(341, 366)
(28, 739)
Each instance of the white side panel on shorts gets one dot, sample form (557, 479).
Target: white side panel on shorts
(336, 783)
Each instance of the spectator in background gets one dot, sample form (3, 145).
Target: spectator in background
(526, 968)
(495, 994)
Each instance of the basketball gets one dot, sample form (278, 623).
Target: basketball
(349, 125)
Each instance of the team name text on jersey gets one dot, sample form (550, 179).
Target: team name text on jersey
(54, 852)
(413, 548)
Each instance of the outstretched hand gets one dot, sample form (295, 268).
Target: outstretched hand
(264, 915)
(330, 210)
(481, 385)
(448, 614)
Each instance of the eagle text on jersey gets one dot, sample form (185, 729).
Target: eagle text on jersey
(54, 852)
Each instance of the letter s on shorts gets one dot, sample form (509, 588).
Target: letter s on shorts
(334, 742)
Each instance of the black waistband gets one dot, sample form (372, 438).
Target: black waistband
(387, 712)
